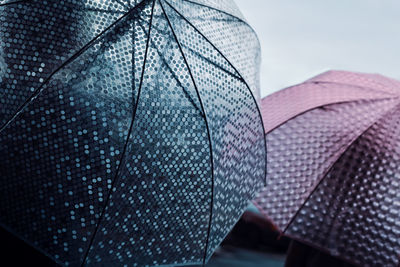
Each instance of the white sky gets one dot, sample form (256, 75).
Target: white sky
(300, 39)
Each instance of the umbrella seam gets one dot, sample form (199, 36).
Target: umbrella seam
(127, 140)
(180, 84)
(332, 165)
(104, 10)
(216, 9)
(15, 2)
(251, 93)
(208, 131)
(215, 64)
(210, 61)
(83, 49)
(326, 105)
(289, 88)
(177, 79)
(374, 78)
(228, 14)
(242, 79)
(350, 85)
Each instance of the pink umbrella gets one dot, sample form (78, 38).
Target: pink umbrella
(334, 165)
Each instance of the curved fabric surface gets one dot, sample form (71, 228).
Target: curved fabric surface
(127, 129)
(333, 178)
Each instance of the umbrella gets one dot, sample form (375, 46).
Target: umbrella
(127, 128)
(333, 157)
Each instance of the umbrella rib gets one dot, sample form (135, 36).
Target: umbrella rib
(65, 63)
(224, 12)
(350, 85)
(88, 9)
(219, 10)
(121, 3)
(333, 164)
(176, 78)
(243, 80)
(179, 83)
(341, 201)
(325, 106)
(104, 10)
(15, 2)
(126, 142)
(208, 60)
(207, 127)
(214, 64)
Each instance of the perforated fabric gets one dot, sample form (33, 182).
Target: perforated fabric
(332, 166)
(129, 134)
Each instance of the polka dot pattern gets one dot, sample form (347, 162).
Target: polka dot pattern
(332, 179)
(245, 56)
(235, 151)
(37, 37)
(318, 133)
(225, 6)
(129, 138)
(361, 192)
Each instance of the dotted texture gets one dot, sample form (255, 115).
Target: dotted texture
(61, 153)
(225, 6)
(7, 1)
(235, 151)
(222, 29)
(354, 212)
(37, 37)
(128, 136)
(332, 178)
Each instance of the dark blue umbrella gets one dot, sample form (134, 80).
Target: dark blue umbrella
(129, 131)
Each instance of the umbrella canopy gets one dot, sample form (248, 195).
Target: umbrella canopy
(333, 165)
(127, 128)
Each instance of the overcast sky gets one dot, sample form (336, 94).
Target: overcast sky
(300, 39)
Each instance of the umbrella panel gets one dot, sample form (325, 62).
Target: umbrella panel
(353, 212)
(71, 134)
